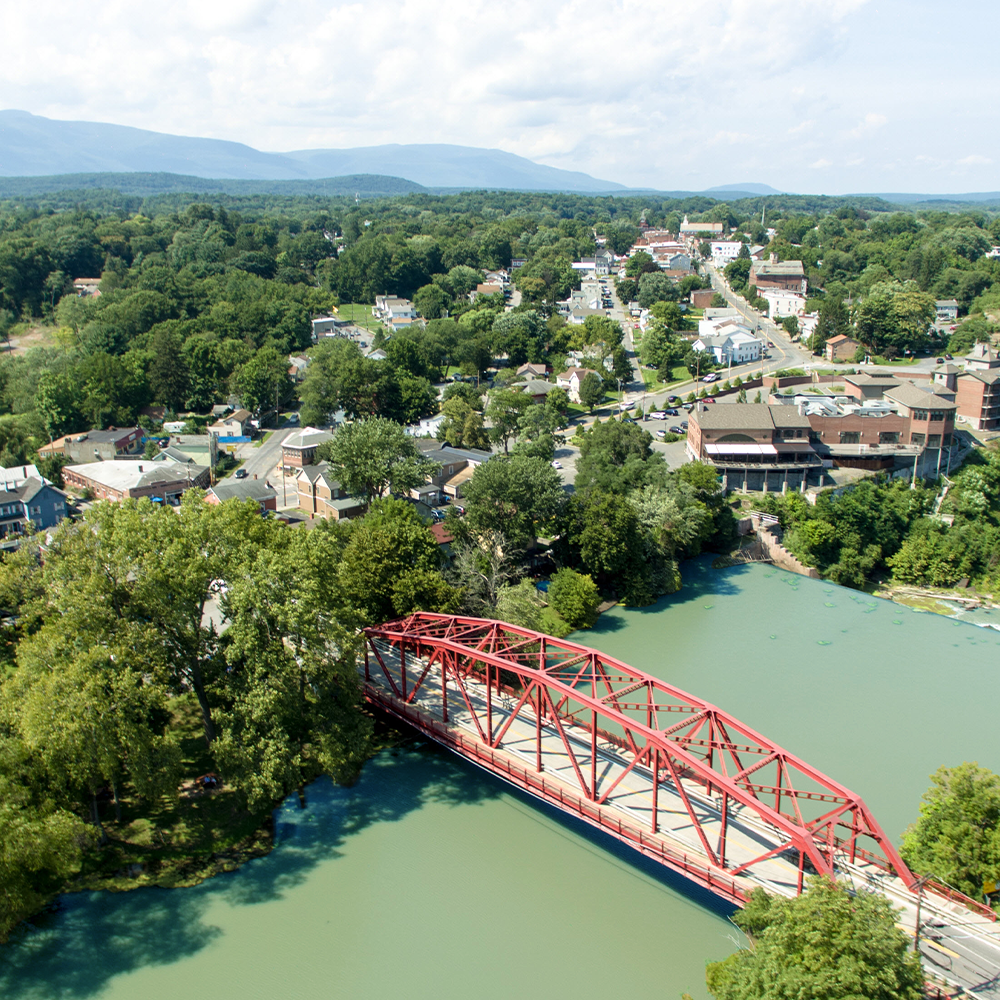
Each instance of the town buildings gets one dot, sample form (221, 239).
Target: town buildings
(841, 348)
(235, 424)
(571, 379)
(299, 449)
(255, 489)
(119, 479)
(320, 495)
(86, 446)
(881, 424)
(787, 275)
(26, 496)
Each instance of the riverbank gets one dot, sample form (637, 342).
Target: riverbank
(202, 832)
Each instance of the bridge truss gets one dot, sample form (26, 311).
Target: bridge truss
(424, 666)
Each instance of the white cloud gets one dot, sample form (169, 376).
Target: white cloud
(675, 95)
(868, 124)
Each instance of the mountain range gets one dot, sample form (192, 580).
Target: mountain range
(33, 146)
(44, 155)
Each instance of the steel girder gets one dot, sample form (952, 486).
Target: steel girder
(585, 696)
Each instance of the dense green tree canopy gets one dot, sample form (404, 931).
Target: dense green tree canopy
(826, 944)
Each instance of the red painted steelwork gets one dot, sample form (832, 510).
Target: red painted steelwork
(584, 696)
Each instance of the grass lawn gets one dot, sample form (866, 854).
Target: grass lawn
(257, 444)
(899, 362)
(359, 314)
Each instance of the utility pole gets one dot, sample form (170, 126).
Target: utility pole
(921, 882)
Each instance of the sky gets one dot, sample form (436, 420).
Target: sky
(810, 96)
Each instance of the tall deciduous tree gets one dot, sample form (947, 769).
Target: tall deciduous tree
(512, 498)
(957, 837)
(371, 457)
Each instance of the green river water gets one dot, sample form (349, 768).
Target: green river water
(432, 879)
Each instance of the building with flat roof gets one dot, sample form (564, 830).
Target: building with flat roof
(86, 446)
(120, 479)
(786, 275)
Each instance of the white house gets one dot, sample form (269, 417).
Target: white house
(947, 310)
(725, 251)
(570, 381)
(599, 264)
(429, 426)
(735, 345)
(783, 303)
(390, 307)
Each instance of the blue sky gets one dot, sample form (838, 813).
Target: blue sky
(824, 96)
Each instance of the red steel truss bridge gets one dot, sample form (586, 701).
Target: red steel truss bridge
(667, 773)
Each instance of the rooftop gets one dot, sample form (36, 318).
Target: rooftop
(778, 267)
(748, 416)
(243, 489)
(126, 474)
(307, 437)
(913, 396)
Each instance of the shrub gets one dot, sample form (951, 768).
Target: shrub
(576, 597)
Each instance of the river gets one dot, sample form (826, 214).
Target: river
(431, 879)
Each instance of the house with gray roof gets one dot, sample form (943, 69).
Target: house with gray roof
(259, 490)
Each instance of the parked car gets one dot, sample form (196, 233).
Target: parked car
(708, 399)
(660, 432)
(241, 473)
(684, 424)
(458, 507)
(557, 465)
(657, 415)
(676, 430)
(672, 412)
(437, 514)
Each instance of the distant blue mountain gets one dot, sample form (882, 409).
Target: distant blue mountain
(32, 146)
(747, 188)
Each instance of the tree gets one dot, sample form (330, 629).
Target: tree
(826, 943)
(514, 499)
(431, 301)
(503, 412)
(263, 381)
(957, 837)
(169, 378)
(391, 563)
(575, 596)
(370, 457)
(617, 457)
(58, 401)
(591, 390)
(42, 845)
(655, 287)
(833, 322)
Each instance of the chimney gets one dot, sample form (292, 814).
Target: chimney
(140, 468)
(773, 258)
(255, 475)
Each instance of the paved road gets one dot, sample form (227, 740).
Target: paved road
(261, 461)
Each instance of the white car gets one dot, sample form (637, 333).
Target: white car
(711, 377)
(657, 415)
(557, 465)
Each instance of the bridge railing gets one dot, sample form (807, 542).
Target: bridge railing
(556, 794)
